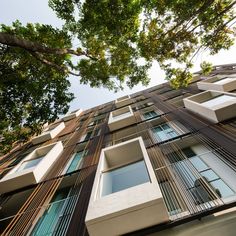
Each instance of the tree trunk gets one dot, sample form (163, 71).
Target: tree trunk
(12, 40)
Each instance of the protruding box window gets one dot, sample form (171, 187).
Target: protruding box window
(213, 105)
(32, 168)
(125, 192)
(49, 133)
(123, 101)
(218, 83)
(72, 115)
(121, 118)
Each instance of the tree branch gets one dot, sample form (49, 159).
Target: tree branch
(12, 40)
(63, 69)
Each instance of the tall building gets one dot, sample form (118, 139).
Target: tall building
(157, 162)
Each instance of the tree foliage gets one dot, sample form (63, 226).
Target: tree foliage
(31, 92)
(117, 41)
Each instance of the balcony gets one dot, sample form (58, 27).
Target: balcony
(212, 105)
(125, 195)
(32, 168)
(219, 83)
(49, 133)
(123, 101)
(72, 115)
(121, 118)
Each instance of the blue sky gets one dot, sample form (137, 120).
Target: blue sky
(86, 97)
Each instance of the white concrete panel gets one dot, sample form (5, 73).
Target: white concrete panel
(72, 115)
(17, 178)
(48, 135)
(131, 209)
(212, 105)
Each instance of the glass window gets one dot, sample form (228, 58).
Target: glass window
(164, 132)
(124, 177)
(88, 135)
(149, 114)
(30, 163)
(76, 162)
(198, 163)
(221, 188)
(188, 152)
(209, 175)
(48, 223)
(195, 173)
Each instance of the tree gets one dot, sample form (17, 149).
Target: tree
(118, 41)
(31, 92)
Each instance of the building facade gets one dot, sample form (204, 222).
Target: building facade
(157, 162)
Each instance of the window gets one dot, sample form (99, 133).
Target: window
(123, 101)
(195, 173)
(47, 224)
(120, 116)
(49, 133)
(149, 114)
(32, 168)
(125, 187)
(214, 105)
(30, 163)
(77, 161)
(164, 132)
(124, 177)
(90, 134)
(143, 105)
(96, 121)
(51, 127)
(216, 101)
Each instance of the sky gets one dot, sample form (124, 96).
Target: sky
(86, 97)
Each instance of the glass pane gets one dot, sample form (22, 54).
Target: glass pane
(31, 163)
(188, 152)
(165, 126)
(147, 115)
(157, 129)
(88, 135)
(48, 222)
(150, 114)
(169, 131)
(221, 188)
(164, 132)
(171, 134)
(209, 175)
(198, 163)
(161, 136)
(182, 168)
(124, 177)
(74, 165)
